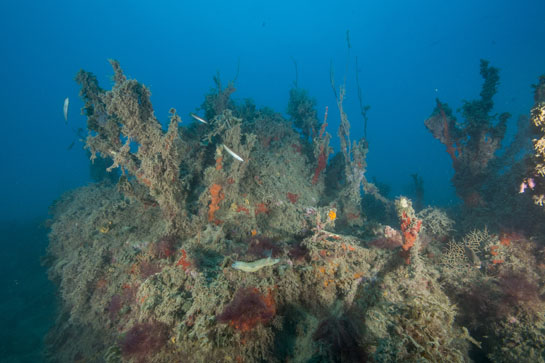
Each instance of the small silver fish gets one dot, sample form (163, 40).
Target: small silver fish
(198, 118)
(65, 109)
(232, 153)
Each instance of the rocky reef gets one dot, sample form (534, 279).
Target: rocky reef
(240, 238)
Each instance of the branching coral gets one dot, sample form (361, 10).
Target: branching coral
(454, 256)
(119, 120)
(321, 150)
(302, 110)
(459, 256)
(219, 98)
(354, 160)
(436, 222)
(354, 167)
(473, 143)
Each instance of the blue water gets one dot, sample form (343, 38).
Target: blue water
(409, 53)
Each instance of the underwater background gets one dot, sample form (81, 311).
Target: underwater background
(408, 55)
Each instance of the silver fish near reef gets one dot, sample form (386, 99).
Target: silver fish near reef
(198, 118)
(65, 109)
(232, 153)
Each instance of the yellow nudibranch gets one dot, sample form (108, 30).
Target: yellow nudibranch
(255, 265)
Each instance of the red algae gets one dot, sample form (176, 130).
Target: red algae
(144, 340)
(248, 309)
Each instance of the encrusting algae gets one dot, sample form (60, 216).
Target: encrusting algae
(216, 196)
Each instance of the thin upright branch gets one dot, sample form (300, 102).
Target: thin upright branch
(363, 109)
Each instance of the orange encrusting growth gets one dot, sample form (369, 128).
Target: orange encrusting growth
(261, 208)
(183, 261)
(409, 230)
(494, 250)
(243, 209)
(505, 240)
(219, 164)
(216, 197)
